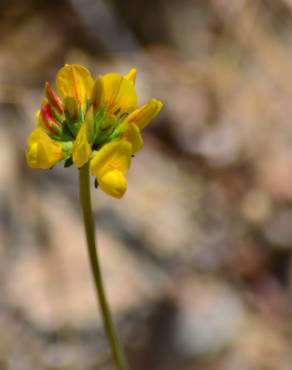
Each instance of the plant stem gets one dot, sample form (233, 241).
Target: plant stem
(85, 201)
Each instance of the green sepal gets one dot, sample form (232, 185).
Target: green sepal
(108, 122)
(114, 136)
(55, 127)
(75, 127)
(91, 127)
(118, 131)
(97, 118)
(68, 162)
(67, 147)
(67, 135)
(74, 115)
(103, 137)
(57, 115)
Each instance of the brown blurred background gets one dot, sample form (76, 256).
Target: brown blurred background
(197, 255)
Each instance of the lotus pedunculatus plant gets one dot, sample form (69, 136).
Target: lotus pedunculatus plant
(95, 125)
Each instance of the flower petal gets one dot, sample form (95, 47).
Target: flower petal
(113, 183)
(115, 155)
(75, 81)
(42, 151)
(97, 91)
(72, 107)
(118, 93)
(131, 75)
(133, 135)
(81, 148)
(142, 116)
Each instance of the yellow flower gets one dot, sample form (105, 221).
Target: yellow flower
(137, 120)
(143, 116)
(42, 151)
(74, 81)
(97, 121)
(110, 164)
(117, 93)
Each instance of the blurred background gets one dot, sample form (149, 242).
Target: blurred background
(197, 255)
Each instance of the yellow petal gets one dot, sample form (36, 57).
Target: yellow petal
(72, 106)
(96, 95)
(113, 183)
(42, 151)
(116, 155)
(75, 81)
(131, 75)
(133, 135)
(90, 125)
(118, 93)
(142, 116)
(81, 148)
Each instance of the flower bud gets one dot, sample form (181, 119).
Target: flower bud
(47, 119)
(53, 99)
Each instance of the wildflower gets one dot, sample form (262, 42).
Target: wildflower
(109, 166)
(97, 121)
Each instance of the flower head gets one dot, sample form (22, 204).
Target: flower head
(97, 121)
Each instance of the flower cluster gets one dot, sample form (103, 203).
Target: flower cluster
(97, 121)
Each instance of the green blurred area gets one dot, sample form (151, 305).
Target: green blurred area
(197, 255)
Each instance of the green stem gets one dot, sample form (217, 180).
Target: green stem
(85, 202)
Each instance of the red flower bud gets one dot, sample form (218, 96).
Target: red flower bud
(53, 99)
(50, 122)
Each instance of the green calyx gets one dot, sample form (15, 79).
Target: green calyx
(102, 128)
